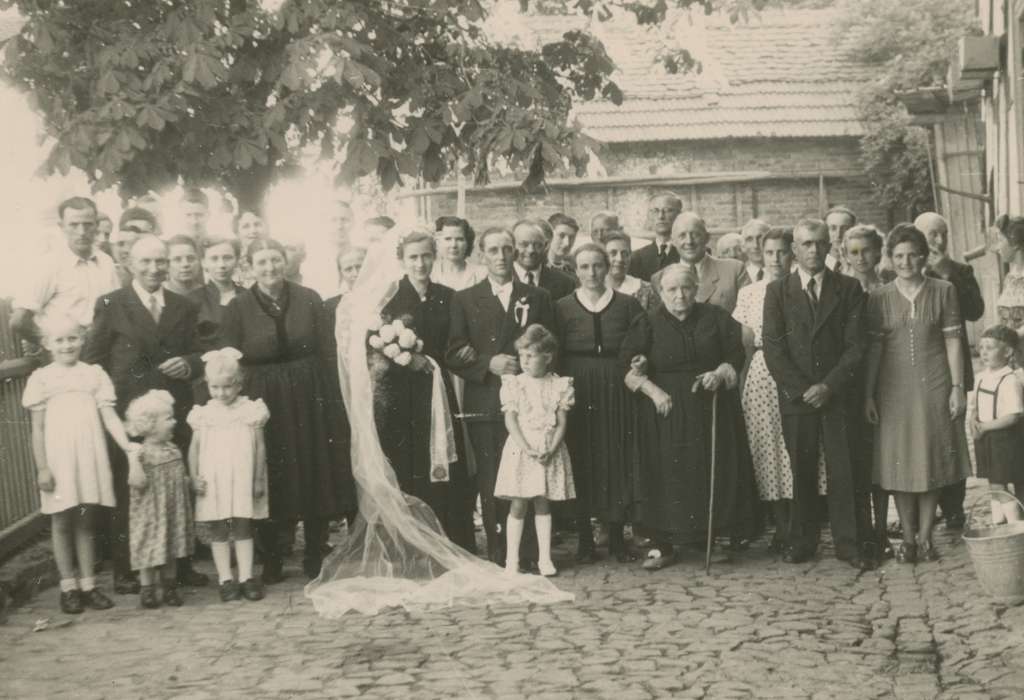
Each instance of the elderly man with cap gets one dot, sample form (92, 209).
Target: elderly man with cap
(972, 308)
(719, 280)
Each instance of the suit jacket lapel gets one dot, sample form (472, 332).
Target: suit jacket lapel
(797, 301)
(143, 327)
(510, 326)
(828, 300)
(708, 280)
(170, 314)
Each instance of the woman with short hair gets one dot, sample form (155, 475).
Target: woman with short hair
(915, 393)
(620, 252)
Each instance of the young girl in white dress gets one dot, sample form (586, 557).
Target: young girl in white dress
(535, 462)
(228, 464)
(71, 402)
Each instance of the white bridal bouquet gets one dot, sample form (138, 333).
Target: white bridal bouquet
(395, 341)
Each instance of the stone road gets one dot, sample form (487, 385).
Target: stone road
(755, 628)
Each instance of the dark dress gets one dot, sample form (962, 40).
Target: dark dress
(675, 450)
(308, 462)
(600, 430)
(211, 314)
(402, 410)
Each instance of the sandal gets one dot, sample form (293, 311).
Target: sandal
(906, 553)
(656, 560)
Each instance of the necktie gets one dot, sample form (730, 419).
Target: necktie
(812, 293)
(760, 275)
(154, 308)
(663, 251)
(529, 278)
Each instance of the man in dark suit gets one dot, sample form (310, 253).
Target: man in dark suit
(487, 318)
(813, 346)
(663, 210)
(146, 338)
(972, 308)
(533, 238)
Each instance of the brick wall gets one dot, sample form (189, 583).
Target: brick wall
(781, 200)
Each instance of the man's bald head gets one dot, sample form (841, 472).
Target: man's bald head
(936, 230)
(148, 260)
(690, 237)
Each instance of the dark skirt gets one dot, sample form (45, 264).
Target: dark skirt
(309, 465)
(675, 466)
(600, 438)
(1000, 455)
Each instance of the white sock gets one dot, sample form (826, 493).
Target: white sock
(1011, 512)
(88, 583)
(997, 511)
(68, 584)
(543, 523)
(513, 536)
(243, 552)
(222, 560)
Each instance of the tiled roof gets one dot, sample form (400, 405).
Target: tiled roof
(779, 74)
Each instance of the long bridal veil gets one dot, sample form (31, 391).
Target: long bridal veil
(396, 554)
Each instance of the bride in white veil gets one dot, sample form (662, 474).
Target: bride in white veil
(396, 554)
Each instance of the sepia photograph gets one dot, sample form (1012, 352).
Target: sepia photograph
(540, 349)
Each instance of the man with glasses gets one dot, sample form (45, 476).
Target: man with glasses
(663, 210)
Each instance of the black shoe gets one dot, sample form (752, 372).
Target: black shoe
(171, 596)
(71, 602)
(230, 591)
(273, 571)
(126, 585)
(191, 577)
(956, 521)
(96, 600)
(624, 556)
(585, 553)
(148, 597)
(311, 567)
(252, 589)
(795, 555)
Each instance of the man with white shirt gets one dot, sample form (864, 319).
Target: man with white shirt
(663, 210)
(146, 338)
(752, 234)
(533, 238)
(486, 320)
(839, 220)
(813, 345)
(71, 278)
(719, 280)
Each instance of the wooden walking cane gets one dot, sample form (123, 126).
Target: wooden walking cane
(711, 490)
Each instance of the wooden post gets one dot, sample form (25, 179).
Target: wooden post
(822, 195)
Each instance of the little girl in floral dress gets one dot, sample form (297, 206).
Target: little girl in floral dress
(160, 527)
(228, 463)
(71, 403)
(535, 463)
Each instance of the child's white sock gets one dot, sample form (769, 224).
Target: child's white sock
(68, 584)
(544, 563)
(1011, 512)
(88, 583)
(997, 511)
(513, 536)
(243, 552)
(222, 560)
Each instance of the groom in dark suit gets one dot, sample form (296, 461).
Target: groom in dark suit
(145, 337)
(486, 320)
(813, 345)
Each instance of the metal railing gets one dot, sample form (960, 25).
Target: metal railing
(19, 496)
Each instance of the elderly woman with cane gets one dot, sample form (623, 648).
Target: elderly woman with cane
(679, 356)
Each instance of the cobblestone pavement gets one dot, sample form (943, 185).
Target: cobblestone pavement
(755, 628)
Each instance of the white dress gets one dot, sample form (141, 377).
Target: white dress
(76, 445)
(227, 459)
(536, 402)
(772, 469)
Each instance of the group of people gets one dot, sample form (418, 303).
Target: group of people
(584, 382)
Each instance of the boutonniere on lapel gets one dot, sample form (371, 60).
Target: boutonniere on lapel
(521, 311)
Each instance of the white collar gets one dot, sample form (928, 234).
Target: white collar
(602, 301)
(498, 289)
(521, 273)
(145, 296)
(753, 269)
(74, 258)
(630, 285)
(805, 277)
(997, 373)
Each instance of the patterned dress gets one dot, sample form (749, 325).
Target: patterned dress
(536, 402)
(918, 447)
(760, 401)
(160, 522)
(76, 447)
(227, 459)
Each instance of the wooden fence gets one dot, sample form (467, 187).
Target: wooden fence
(19, 498)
